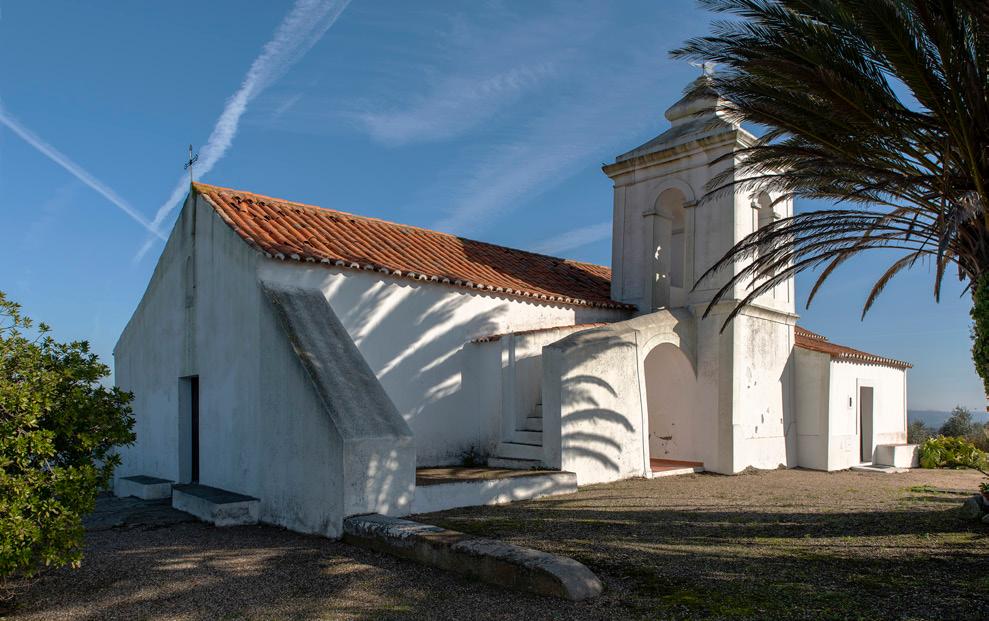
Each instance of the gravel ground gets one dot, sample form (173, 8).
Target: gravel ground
(785, 544)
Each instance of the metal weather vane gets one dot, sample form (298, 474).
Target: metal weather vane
(188, 165)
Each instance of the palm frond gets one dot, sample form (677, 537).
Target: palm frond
(881, 105)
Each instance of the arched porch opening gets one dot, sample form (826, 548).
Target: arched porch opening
(671, 386)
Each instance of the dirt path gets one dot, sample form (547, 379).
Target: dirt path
(777, 545)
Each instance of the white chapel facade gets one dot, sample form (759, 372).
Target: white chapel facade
(315, 359)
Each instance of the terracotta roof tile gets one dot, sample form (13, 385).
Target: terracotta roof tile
(287, 230)
(805, 339)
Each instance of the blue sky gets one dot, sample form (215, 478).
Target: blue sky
(487, 119)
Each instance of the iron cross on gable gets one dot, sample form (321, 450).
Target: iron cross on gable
(192, 160)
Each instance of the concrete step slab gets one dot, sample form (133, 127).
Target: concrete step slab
(143, 487)
(495, 562)
(876, 468)
(514, 464)
(533, 423)
(524, 436)
(672, 472)
(216, 506)
(516, 450)
(502, 486)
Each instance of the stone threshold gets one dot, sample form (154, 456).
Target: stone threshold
(489, 560)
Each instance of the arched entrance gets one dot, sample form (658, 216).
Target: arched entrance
(671, 386)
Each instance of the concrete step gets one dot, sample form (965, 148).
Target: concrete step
(471, 487)
(517, 450)
(538, 410)
(514, 464)
(143, 487)
(672, 472)
(879, 469)
(533, 423)
(524, 436)
(216, 506)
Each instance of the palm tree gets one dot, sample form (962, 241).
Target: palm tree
(880, 105)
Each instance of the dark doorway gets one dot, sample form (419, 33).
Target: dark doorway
(189, 429)
(865, 423)
(194, 429)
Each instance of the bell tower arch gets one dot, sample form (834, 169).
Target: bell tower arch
(664, 237)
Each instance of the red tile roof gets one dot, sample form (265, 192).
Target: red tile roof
(288, 230)
(812, 341)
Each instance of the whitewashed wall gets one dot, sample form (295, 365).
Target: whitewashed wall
(506, 374)
(763, 408)
(414, 337)
(813, 381)
(153, 352)
(595, 395)
(263, 431)
(889, 411)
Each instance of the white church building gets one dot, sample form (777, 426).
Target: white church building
(314, 359)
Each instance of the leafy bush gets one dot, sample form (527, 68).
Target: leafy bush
(981, 438)
(959, 424)
(918, 432)
(949, 452)
(58, 428)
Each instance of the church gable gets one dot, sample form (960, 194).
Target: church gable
(287, 230)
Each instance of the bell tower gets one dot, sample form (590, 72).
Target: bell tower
(664, 236)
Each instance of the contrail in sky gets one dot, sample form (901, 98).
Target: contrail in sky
(77, 171)
(305, 24)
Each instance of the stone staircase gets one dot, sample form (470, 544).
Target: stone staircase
(524, 451)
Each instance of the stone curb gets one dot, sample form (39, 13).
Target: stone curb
(496, 562)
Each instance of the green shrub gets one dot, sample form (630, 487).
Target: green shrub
(959, 424)
(918, 432)
(950, 452)
(981, 438)
(58, 429)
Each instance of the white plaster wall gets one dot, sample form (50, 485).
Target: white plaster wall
(890, 409)
(812, 376)
(152, 353)
(414, 337)
(763, 410)
(592, 406)
(263, 431)
(595, 421)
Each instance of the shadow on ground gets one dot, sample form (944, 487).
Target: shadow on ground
(774, 545)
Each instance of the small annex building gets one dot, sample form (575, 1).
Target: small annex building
(314, 359)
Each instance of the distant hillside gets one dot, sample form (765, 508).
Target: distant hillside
(936, 418)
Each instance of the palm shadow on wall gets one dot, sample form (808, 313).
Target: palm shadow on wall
(419, 342)
(590, 428)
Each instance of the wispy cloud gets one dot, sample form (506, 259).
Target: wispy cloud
(454, 105)
(575, 238)
(301, 29)
(473, 70)
(601, 117)
(75, 170)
